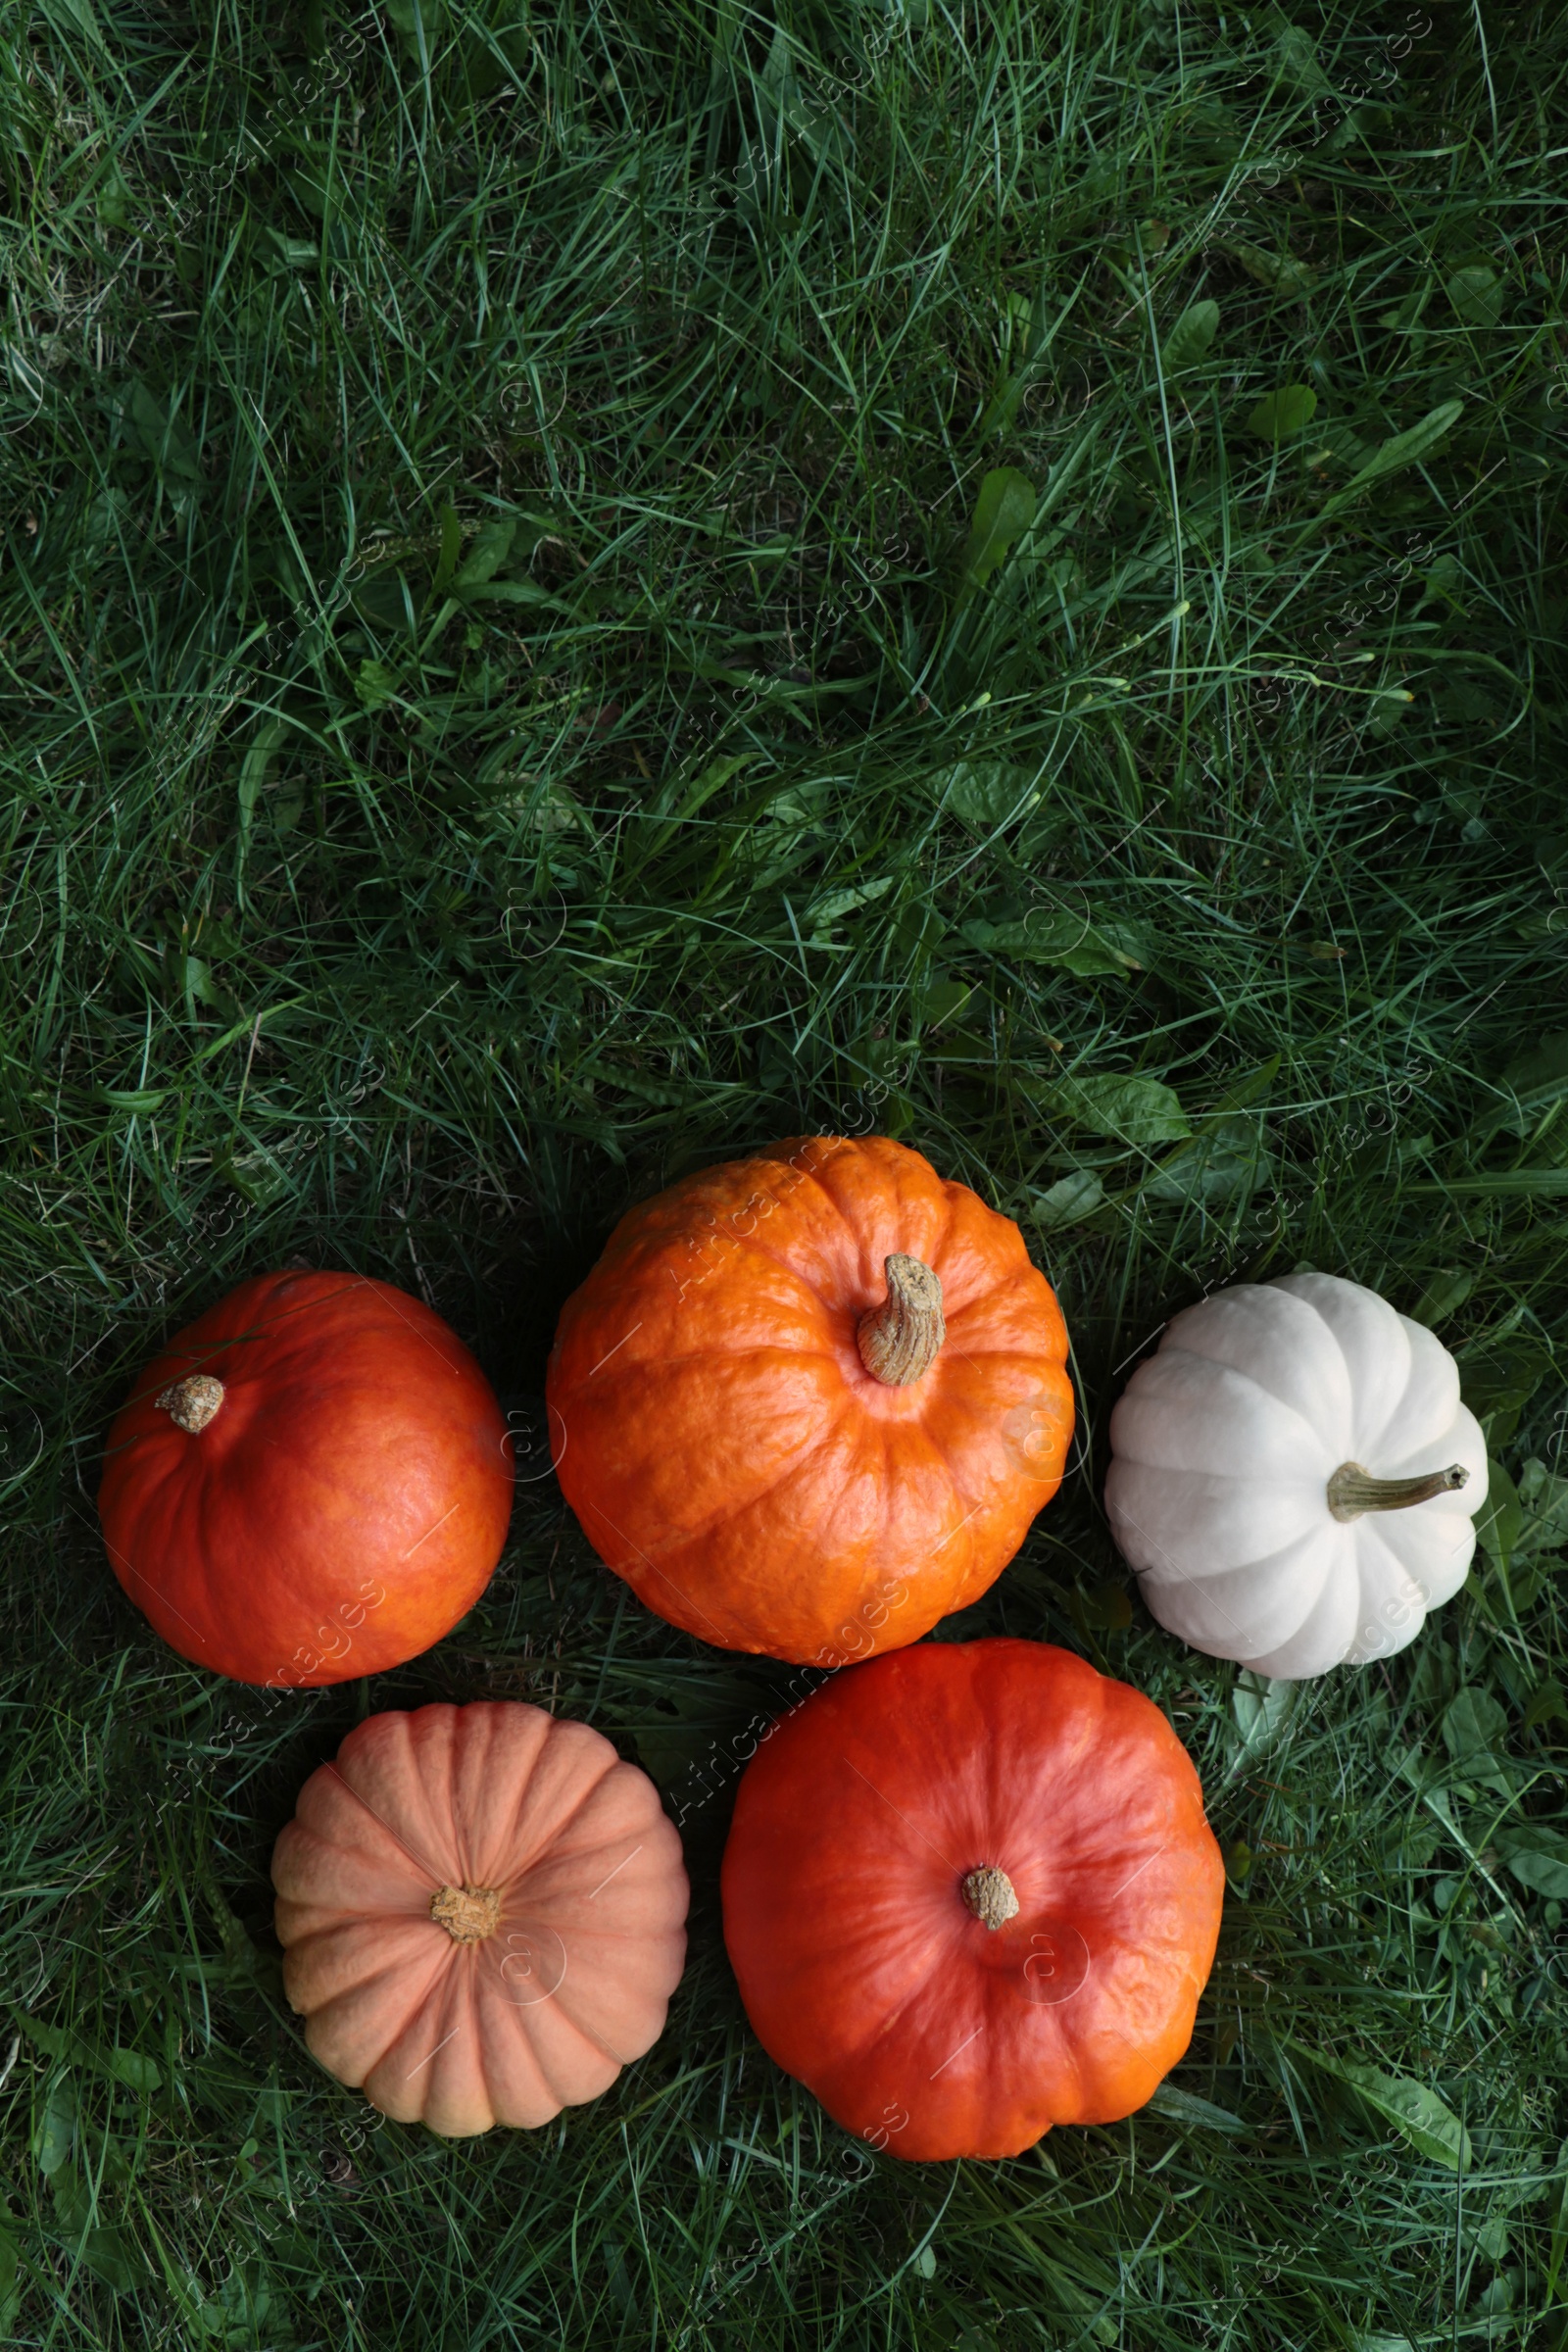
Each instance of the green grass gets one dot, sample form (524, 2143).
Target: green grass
(781, 775)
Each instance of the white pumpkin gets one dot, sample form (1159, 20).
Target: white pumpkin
(1295, 1477)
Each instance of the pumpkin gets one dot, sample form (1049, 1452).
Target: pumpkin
(1293, 1476)
(807, 1403)
(969, 1893)
(313, 1481)
(483, 1911)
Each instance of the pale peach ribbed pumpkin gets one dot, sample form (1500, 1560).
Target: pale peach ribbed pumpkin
(483, 1913)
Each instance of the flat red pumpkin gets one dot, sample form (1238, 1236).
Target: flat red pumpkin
(809, 1402)
(970, 1893)
(312, 1482)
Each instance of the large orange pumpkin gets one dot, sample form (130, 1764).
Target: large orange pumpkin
(312, 1482)
(809, 1402)
(969, 1893)
(483, 1914)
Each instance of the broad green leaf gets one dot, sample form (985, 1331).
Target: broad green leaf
(839, 902)
(253, 768)
(1135, 1110)
(1190, 336)
(1407, 447)
(107, 2255)
(1538, 1859)
(56, 2127)
(944, 999)
(1069, 1199)
(492, 545)
(1388, 710)
(74, 2204)
(1001, 407)
(80, 14)
(1443, 1297)
(917, 932)
(195, 977)
(375, 686)
(297, 251)
(1478, 295)
(1501, 1516)
(986, 793)
(1261, 1705)
(153, 433)
(1440, 585)
(1113, 945)
(1184, 2107)
(1056, 935)
(1474, 1731)
(1280, 414)
(1498, 1375)
(412, 18)
(114, 199)
(136, 2072)
(1226, 1158)
(515, 592)
(1430, 2126)
(1543, 1507)
(1405, 315)
(77, 2049)
(1296, 55)
(1546, 1704)
(1003, 512)
(1370, 124)
(1281, 270)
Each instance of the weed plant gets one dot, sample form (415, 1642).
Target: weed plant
(590, 585)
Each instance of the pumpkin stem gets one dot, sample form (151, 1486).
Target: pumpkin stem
(1353, 1490)
(989, 1895)
(468, 1914)
(899, 1339)
(192, 1403)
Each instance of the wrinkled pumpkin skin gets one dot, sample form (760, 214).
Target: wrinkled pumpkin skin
(344, 1507)
(728, 1451)
(566, 1955)
(864, 1971)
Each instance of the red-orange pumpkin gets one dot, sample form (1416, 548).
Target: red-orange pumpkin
(483, 1914)
(969, 1893)
(312, 1482)
(809, 1402)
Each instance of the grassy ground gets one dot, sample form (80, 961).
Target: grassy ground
(586, 589)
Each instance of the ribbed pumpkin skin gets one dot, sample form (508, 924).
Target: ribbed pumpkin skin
(575, 1980)
(724, 1446)
(1223, 1444)
(344, 1509)
(864, 1973)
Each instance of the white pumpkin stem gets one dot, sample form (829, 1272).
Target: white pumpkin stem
(1353, 1490)
(192, 1403)
(991, 1896)
(899, 1339)
(468, 1914)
